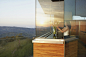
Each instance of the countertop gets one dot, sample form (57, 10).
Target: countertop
(50, 39)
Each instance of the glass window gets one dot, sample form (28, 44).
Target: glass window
(69, 14)
(81, 8)
(43, 17)
(48, 15)
(75, 14)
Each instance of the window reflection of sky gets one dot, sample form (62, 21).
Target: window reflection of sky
(48, 11)
(79, 18)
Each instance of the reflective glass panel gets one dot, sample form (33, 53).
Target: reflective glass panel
(75, 15)
(69, 12)
(49, 15)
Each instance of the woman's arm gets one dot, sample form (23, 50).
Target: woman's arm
(63, 30)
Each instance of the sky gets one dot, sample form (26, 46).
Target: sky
(19, 13)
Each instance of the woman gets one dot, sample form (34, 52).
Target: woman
(65, 30)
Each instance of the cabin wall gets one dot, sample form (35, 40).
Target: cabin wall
(78, 28)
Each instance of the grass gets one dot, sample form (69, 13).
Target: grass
(13, 49)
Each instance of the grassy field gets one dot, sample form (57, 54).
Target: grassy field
(16, 49)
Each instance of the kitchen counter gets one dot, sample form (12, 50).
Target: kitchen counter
(50, 39)
(54, 41)
(50, 47)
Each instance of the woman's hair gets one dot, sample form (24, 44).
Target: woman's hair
(68, 24)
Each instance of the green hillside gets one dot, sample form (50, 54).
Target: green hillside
(17, 48)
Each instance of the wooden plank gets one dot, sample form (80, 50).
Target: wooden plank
(43, 55)
(48, 50)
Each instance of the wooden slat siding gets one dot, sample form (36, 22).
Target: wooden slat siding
(71, 49)
(77, 27)
(48, 50)
(81, 50)
(82, 34)
(73, 27)
(83, 37)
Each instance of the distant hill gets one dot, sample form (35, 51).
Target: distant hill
(13, 31)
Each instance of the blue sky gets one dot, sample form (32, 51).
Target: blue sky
(20, 13)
